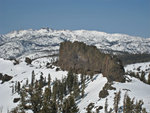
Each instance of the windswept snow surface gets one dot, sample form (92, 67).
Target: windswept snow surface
(25, 42)
(21, 72)
(92, 92)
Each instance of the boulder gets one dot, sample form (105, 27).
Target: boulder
(16, 100)
(6, 78)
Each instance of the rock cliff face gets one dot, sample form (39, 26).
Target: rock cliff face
(82, 58)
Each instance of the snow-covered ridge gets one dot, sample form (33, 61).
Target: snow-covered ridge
(21, 72)
(19, 43)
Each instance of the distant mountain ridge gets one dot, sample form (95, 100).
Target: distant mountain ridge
(46, 41)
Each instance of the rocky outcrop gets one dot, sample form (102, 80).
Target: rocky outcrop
(16, 100)
(82, 58)
(5, 77)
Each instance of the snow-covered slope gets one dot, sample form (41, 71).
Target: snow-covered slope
(45, 41)
(21, 72)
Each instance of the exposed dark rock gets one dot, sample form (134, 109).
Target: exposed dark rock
(1, 75)
(16, 100)
(16, 62)
(103, 93)
(98, 109)
(57, 69)
(6, 78)
(28, 60)
(82, 58)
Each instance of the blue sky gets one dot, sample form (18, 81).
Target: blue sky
(113, 16)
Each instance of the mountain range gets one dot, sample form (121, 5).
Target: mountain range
(46, 41)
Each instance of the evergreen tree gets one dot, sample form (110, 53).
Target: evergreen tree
(69, 105)
(36, 97)
(116, 101)
(137, 75)
(124, 103)
(128, 104)
(142, 78)
(55, 90)
(73, 106)
(148, 79)
(106, 106)
(76, 89)
(13, 89)
(144, 110)
(53, 107)
(70, 80)
(27, 82)
(41, 81)
(81, 77)
(49, 84)
(46, 102)
(89, 108)
(138, 106)
(61, 91)
(83, 87)
(23, 96)
(49, 80)
(18, 87)
(33, 78)
(64, 84)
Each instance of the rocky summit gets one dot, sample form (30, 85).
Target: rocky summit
(82, 58)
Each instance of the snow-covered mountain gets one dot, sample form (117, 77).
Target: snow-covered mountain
(46, 41)
(21, 72)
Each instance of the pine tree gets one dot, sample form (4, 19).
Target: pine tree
(69, 105)
(41, 81)
(73, 106)
(18, 87)
(49, 84)
(49, 80)
(61, 91)
(148, 79)
(27, 82)
(64, 84)
(137, 75)
(76, 89)
(13, 89)
(89, 108)
(70, 78)
(33, 78)
(83, 87)
(124, 103)
(81, 77)
(36, 97)
(143, 77)
(106, 106)
(53, 107)
(46, 101)
(23, 96)
(55, 90)
(144, 110)
(116, 101)
(138, 106)
(128, 104)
